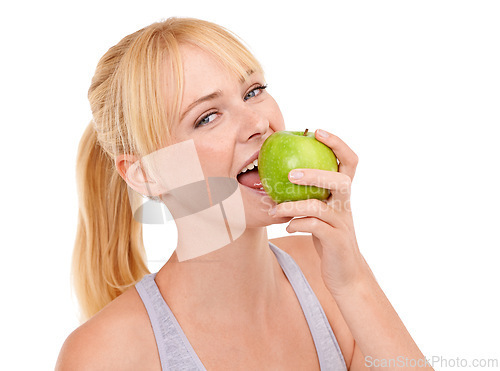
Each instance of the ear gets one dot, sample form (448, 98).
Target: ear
(129, 168)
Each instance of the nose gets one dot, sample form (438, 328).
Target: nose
(253, 123)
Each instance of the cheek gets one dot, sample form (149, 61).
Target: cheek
(213, 159)
(276, 118)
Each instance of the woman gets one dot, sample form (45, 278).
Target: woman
(299, 302)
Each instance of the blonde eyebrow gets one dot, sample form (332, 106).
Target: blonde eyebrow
(205, 98)
(211, 96)
(245, 78)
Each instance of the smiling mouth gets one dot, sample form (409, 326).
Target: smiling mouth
(249, 176)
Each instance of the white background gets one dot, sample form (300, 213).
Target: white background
(412, 87)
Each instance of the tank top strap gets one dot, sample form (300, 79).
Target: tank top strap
(176, 353)
(328, 350)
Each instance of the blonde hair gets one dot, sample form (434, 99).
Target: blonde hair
(135, 97)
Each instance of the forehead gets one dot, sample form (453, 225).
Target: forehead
(199, 65)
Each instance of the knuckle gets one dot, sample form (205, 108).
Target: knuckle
(315, 223)
(345, 182)
(355, 158)
(320, 206)
(316, 204)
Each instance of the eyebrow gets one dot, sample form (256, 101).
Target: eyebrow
(211, 96)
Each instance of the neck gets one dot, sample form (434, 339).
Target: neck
(238, 281)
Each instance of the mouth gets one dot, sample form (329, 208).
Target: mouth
(249, 174)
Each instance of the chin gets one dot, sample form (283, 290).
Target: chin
(257, 205)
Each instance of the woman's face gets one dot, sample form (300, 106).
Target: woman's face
(228, 120)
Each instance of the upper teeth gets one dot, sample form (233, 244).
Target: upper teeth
(250, 166)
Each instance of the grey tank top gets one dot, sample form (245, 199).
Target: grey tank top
(177, 354)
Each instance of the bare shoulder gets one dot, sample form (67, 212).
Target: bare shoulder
(119, 337)
(301, 249)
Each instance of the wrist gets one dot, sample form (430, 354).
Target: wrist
(362, 281)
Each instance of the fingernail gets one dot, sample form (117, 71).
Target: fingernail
(296, 174)
(323, 133)
(272, 211)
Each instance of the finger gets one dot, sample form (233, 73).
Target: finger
(348, 160)
(338, 183)
(316, 227)
(312, 207)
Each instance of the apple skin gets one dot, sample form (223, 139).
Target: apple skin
(286, 150)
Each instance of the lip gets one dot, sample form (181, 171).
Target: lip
(258, 191)
(250, 160)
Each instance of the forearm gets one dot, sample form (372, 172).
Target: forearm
(377, 329)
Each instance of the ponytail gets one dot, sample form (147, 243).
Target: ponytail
(109, 254)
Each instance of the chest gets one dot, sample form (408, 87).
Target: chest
(287, 344)
(284, 347)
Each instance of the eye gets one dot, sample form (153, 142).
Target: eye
(255, 92)
(208, 118)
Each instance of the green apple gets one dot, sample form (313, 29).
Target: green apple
(284, 151)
